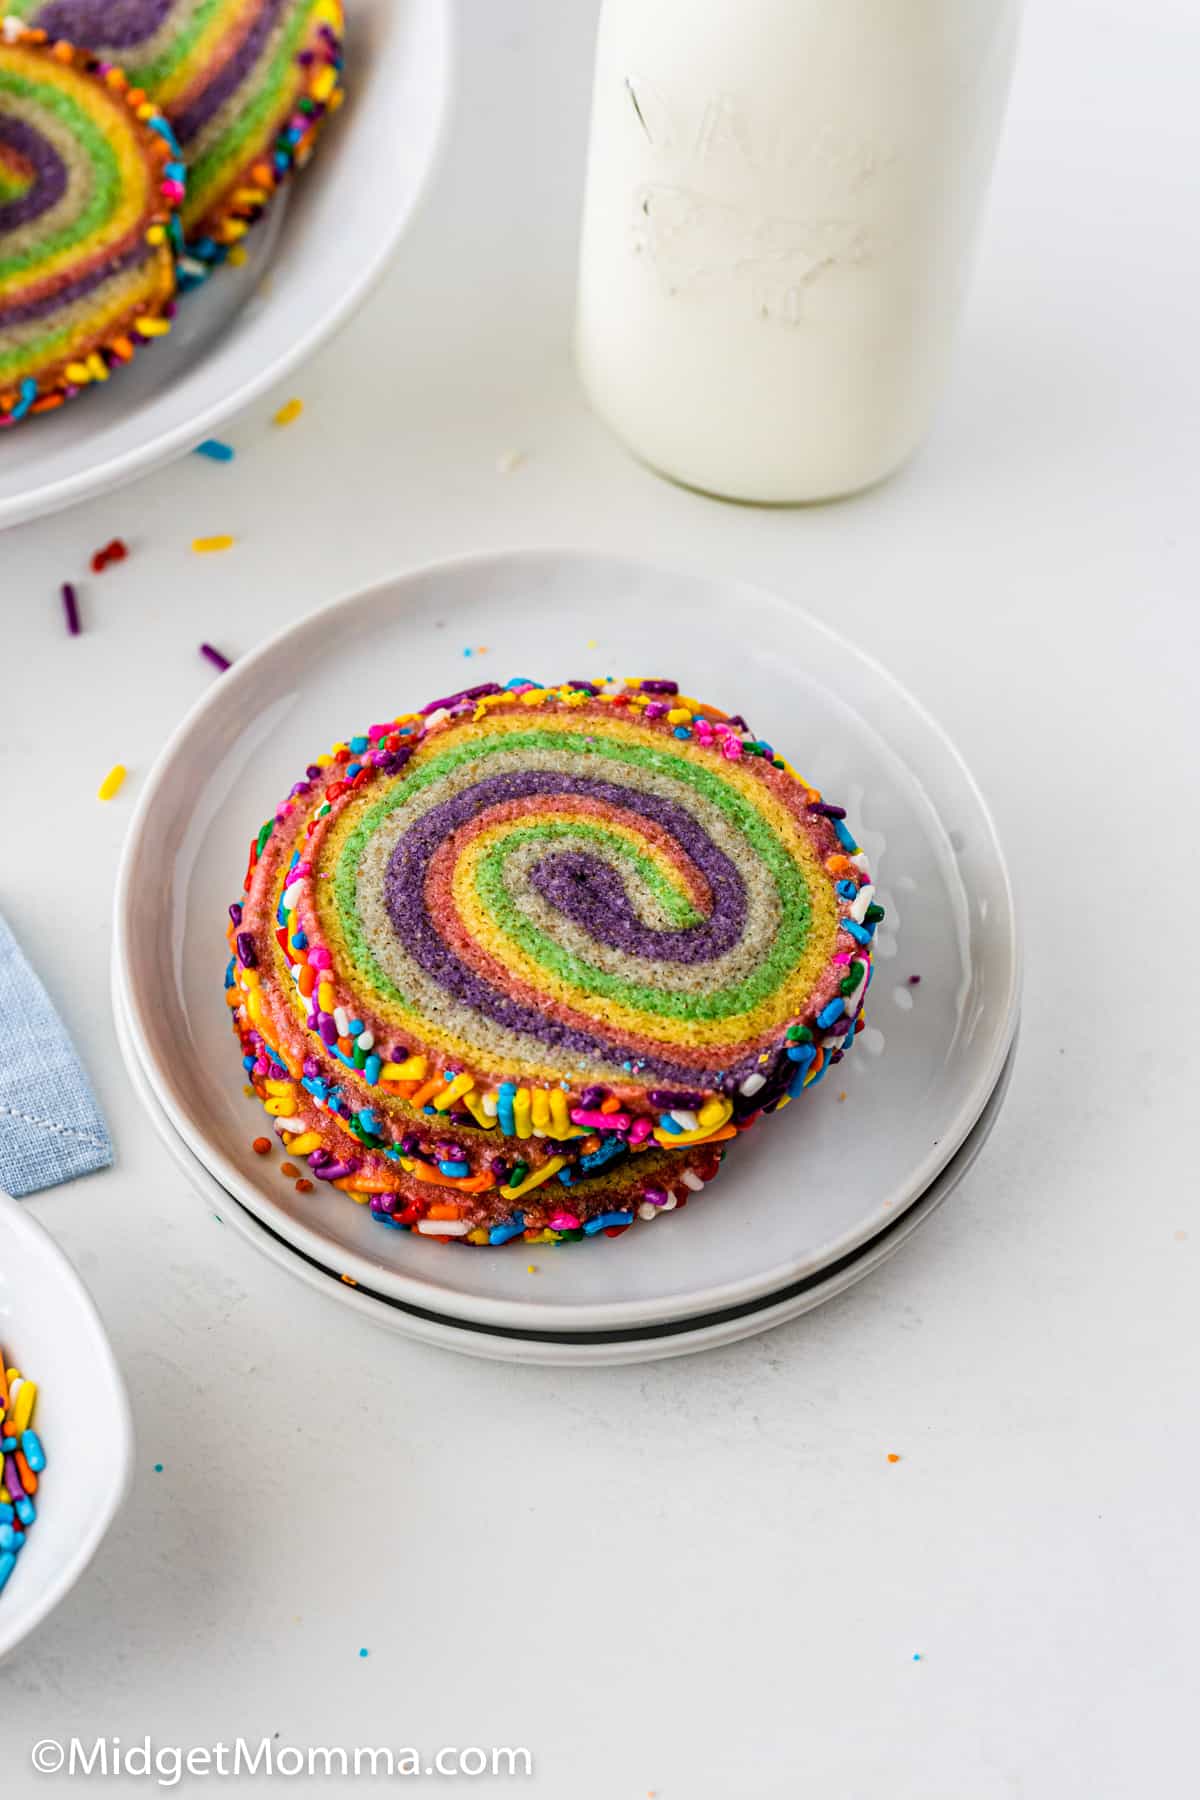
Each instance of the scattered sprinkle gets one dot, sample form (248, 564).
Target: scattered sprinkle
(288, 1168)
(892, 1456)
(914, 981)
(841, 1096)
(287, 415)
(531, 1269)
(364, 1653)
(1181, 1237)
(158, 1468)
(215, 658)
(508, 460)
(261, 1146)
(113, 782)
(479, 650)
(71, 609)
(304, 1185)
(205, 546)
(216, 451)
(116, 550)
(916, 1656)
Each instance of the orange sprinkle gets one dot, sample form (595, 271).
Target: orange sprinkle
(261, 1146)
(892, 1457)
(304, 1185)
(289, 1169)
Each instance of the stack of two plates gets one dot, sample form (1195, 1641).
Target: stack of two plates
(810, 1202)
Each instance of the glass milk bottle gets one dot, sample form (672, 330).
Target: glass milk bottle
(782, 200)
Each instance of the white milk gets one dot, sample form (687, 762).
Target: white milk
(782, 199)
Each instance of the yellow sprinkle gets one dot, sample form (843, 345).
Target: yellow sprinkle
(79, 373)
(461, 1084)
(156, 235)
(280, 1087)
(113, 781)
(237, 256)
(152, 328)
(541, 1109)
(326, 998)
(522, 1115)
(305, 1144)
(97, 367)
(536, 1179)
(23, 1407)
(288, 414)
(414, 1068)
(207, 545)
(280, 1108)
(324, 82)
(531, 1268)
(559, 1114)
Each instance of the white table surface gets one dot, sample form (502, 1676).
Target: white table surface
(701, 1578)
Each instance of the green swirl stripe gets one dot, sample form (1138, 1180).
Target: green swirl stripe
(106, 175)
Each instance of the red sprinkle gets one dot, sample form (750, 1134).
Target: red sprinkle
(71, 609)
(116, 550)
(261, 1146)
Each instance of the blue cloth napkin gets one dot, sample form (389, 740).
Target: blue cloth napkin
(51, 1128)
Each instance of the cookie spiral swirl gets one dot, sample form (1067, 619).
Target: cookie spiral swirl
(88, 196)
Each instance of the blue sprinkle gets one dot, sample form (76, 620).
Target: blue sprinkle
(802, 1054)
(26, 1510)
(8, 1445)
(829, 1014)
(454, 1169)
(35, 1456)
(844, 838)
(862, 934)
(230, 977)
(364, 1653)
(500, 1234)
(604, 1220)
(505, 1096)
(358, 745)
(158, 1468)
(215, 450)
(356, 1026)
(520, 681)
(7, 1515)
(8, 1563)
(300, 941)
(670, 1124)
(28, 391)
(372, 1068)
(847, 889)
(681, 731)
(352, 769)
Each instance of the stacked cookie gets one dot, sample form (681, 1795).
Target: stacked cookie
(525, 963)
(116, 116)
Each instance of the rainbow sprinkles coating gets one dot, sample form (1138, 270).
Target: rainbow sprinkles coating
(525, 963)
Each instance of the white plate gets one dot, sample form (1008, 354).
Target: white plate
(800, 1192)
(582, 1349)
(236, 337)
(49, 1325)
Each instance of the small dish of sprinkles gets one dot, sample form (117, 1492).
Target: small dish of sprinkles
(22, 1460)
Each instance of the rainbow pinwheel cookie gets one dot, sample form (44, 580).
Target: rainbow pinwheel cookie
(526, 961)
(245, 84)
(89, 190)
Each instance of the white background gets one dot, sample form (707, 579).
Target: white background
(700, 1578)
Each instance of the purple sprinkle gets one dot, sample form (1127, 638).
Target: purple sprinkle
(737, 721)
(475, 693)
(398, 1053)
(318, 1158)
(327, 1026)
(383, 1203)
(670, 1101)
(335, 1171)
(499, 1168)
(914, 981)
(827, 812)
(314, 771)
(71, 608)
(660, 687)
(656, 1196)
(588, 687)
(410, 1143)
(235, 912)
(592, 1097)
(312, 1068)
(215, 658)
(246, 950)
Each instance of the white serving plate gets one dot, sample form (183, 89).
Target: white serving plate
(239, 335)
(806, 1188)
(645, 1343)
(49, 1325)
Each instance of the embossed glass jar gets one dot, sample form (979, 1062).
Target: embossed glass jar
(782, 201)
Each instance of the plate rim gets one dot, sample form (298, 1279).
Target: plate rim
(91, 483)
(415, 1288)
(561, 1349)
(112, 1498)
